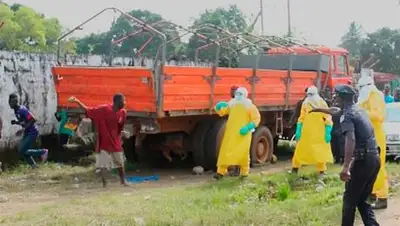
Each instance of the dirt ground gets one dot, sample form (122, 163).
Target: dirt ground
(37, 197)
(390, 216)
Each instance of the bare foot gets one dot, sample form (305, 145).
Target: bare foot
(125, 184)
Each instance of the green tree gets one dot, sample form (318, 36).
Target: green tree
(14, 7)
(25, 29)
(33, 32)
(352, 40)
(231, 19)
(94, 44)
(101, 43)
(384, 44)
(53, 30)
(9, 30)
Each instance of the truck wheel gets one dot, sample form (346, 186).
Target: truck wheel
(213, 143)
(198, 140)
(262, 146)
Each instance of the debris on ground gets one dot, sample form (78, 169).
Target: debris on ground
(198, 170)
(3, 198)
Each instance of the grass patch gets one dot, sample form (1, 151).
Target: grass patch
(278, 199)
(48, 176)
(259, 200)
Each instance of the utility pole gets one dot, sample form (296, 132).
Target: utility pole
(289, 19)
(262, 17)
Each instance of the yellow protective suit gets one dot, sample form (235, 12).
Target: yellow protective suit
(312, 149)
(235, 148)
(375, 107)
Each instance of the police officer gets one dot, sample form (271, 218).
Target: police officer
(361, 159)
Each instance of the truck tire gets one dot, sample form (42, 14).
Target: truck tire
(213, 143)
(198, 140)
(262, 146)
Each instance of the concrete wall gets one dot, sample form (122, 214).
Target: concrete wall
(29, 75)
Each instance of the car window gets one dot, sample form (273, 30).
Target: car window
(392, 115)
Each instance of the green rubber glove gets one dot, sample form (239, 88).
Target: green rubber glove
(299, 127)
(247, 128)
(221, 105)
(328, 133)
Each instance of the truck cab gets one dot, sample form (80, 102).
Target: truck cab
(333, 63)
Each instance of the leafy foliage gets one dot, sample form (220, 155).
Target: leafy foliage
(25, 29)
(101, 43)
(352, 40)
(383, 45)
(231, 19)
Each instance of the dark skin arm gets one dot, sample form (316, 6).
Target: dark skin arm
(24, 125)
(330, 111)
(57, 116)
(81, 105)
(349, 146)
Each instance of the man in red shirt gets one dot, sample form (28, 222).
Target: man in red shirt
(109, 121)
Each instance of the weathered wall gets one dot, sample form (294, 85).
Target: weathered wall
(29, 75)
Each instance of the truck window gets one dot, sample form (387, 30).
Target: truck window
(333, 63)
(341, 63)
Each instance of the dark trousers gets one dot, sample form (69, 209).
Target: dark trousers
(358, 188)
(63, 138)
(337, 146)
(25, 149)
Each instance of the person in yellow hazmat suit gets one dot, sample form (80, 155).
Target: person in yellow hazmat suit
(313, 146)
(243, 119)
(372, 100)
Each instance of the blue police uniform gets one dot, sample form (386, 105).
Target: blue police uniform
(366, 164)
(337, 142)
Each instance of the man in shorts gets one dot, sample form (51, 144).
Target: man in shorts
(109, 120)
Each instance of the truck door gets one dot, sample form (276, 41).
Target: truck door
(340, 73)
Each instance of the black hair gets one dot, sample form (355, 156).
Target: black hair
(118, 97)
(13, 96)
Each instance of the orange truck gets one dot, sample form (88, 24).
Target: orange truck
(170, 108)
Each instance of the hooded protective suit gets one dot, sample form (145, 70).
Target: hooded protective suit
(243, 119)
(313, 147)
(372, 100)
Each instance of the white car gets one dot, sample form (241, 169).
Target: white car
(392, 130)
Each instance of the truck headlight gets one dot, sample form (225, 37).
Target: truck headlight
(393, 137)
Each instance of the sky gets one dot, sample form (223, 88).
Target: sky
(318, 21)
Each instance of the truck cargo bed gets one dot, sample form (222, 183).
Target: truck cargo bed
(183, 90)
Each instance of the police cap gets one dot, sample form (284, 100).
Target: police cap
(345, 90)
